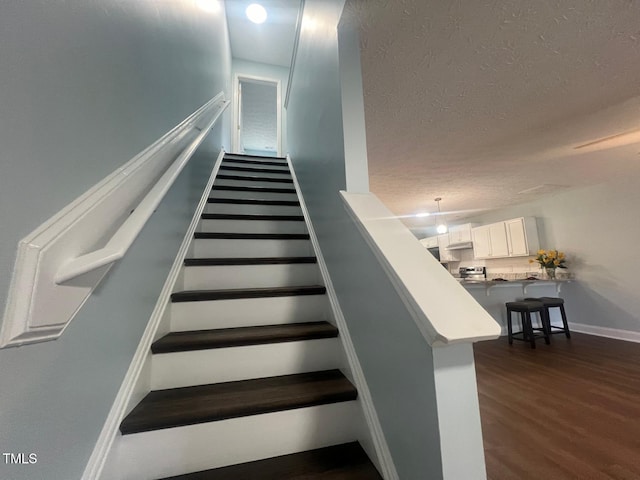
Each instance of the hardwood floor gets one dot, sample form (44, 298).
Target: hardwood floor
(569, 410)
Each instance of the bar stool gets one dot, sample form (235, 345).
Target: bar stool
(553, 302)
(525, 308)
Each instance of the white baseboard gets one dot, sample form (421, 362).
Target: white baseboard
(109, 431)
(618, 334)
(382, 459)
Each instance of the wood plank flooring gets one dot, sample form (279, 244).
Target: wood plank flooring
(570, 410)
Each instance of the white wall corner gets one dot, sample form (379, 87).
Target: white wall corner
(461, 445)
(353, 121)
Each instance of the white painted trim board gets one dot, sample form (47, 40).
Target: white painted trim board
(382, 458)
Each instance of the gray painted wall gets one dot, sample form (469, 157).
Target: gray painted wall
(598, 229)
(396, 360)
(85, 86)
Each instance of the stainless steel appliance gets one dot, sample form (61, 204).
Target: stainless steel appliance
(473, 273)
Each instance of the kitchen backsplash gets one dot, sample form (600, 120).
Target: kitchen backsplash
(507, 268)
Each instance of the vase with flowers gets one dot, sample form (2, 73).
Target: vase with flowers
(550, 260)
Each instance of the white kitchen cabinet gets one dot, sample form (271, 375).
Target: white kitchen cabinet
(511, 238)
(481, 242)
(499, 243)
(429, 242)
(522, 236)
(447, 255)
(460, 233)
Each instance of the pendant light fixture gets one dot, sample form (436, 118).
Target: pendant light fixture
(442, 225)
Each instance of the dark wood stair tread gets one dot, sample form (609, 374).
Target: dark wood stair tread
(251, 236)
(243, 188)
(243, 156)
(207, 403)
(264, 163)
(338, 462)
(238, 293)
(233, 168)
(243, 336)
(214, 262)
(254, 178)
(254, 201)
(239, 216)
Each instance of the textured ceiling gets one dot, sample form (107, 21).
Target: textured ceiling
(477, 101)
(270, 42)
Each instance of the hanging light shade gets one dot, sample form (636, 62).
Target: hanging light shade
(442, 225)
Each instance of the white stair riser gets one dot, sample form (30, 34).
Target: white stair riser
(232, 248)
(250, 276)
(282, 175)
(240, 209)
(247, 312)
(175, 451)
(200, 367)
(251, 183)
(215, 193)
(252, 226)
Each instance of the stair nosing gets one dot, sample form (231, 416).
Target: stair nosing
(244, 155)
(254, 201)
(234, 168)
(246, 336)
(252, 216)
(253, 178)
(250, 236)
(340, 389)
(245, 293)
(210, 261)
(234, 188)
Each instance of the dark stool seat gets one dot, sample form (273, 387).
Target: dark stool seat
(525, 309)
(553, 302)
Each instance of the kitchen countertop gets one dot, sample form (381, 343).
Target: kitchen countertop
(522, 283)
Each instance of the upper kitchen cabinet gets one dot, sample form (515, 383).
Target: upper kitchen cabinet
(522, 236)
(447, 255)
(511, 238)
(460, 234)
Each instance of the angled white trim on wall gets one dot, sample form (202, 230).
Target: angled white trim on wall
(61, 262)
(383, 457)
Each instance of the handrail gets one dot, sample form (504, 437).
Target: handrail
(120, 242)
(62, 261)
(443, 310)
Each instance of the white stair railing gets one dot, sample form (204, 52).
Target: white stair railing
(60, 263)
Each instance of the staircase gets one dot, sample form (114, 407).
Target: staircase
(248, 383)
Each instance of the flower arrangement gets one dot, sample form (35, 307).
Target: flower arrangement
(550, 259)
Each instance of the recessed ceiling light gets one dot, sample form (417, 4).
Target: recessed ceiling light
(256, 13)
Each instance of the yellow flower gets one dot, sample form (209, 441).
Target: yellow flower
(551, 254)
(556, 262)
(531, 260)
(561, 255)
(541, 252)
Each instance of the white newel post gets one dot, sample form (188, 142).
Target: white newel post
(458, 413)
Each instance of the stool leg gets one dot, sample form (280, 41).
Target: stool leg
(564, 321)
(509, 327)
(529, 330)
(546, 321)
(546, 325)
